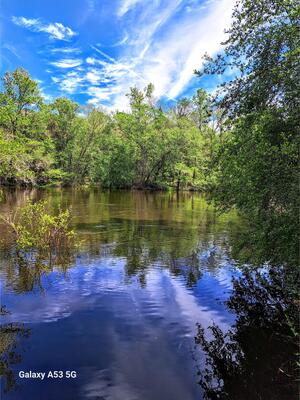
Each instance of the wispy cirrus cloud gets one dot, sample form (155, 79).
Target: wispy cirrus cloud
(163, 47)
(94, 61)
(67, 63)
(55, 30)
(126, 5)
(180, 52)
(157, 41)
(69, 82)
(66, 50)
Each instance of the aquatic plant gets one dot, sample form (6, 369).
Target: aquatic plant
(35, 230)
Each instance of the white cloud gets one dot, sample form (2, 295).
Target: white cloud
(164, 46)
(94, 76)
(55, 30)
(47, 97)
(99, 94)
(103, 54)
(187, 45)
(122, 41)
(93, 61)
(67, 63)
(126, 5)
(164, 50)
(11, 49)
(70, 82)
(58, 31)
(25, 22)
(66, 50)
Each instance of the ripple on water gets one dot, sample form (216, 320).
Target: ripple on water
(125, 311)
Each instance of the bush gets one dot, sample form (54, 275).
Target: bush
(35, 230)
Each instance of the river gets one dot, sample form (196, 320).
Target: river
(122, 311)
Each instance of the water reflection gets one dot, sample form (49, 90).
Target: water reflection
(123, 311)
(257, 358)
(176, 232)
(25, 275)
(10, 335)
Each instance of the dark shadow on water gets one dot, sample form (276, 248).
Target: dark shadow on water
(10, 336)
(258, 358)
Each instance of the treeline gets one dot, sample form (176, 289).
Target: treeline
(63, 143)
(243, 146)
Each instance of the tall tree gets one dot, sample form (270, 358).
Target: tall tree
(262, 51)
(259, 159)
(20, 99)
(62, 124)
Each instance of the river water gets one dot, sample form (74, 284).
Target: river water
(122, 311)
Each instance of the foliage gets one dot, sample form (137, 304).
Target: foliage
(262, 54)
(256, 165)
(256, 170)
(244, 146)
(35, 230)
(21, 111)
(62, 125)
(258, 173)
(166, 148)
(145, 147)
(24, 161)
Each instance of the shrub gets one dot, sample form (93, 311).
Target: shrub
(34, 229)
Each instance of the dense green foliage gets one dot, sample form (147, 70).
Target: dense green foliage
(258, 163)
(61, 143)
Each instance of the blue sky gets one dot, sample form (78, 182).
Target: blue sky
(93, 51)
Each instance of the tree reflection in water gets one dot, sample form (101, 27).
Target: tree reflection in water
(10, 335)
(257, 358)
(24, 274)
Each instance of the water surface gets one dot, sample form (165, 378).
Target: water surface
(122, 311)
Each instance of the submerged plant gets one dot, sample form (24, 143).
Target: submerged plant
(36, 231)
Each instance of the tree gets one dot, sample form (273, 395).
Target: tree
(259, 159)
(262, 52)
(145, 147)
(164, 147)
(62, 128)
(202, 108)
(143, 130)
(20, 101)
(183, 108)
(88, 144)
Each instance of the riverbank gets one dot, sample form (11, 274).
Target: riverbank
(61, 185)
